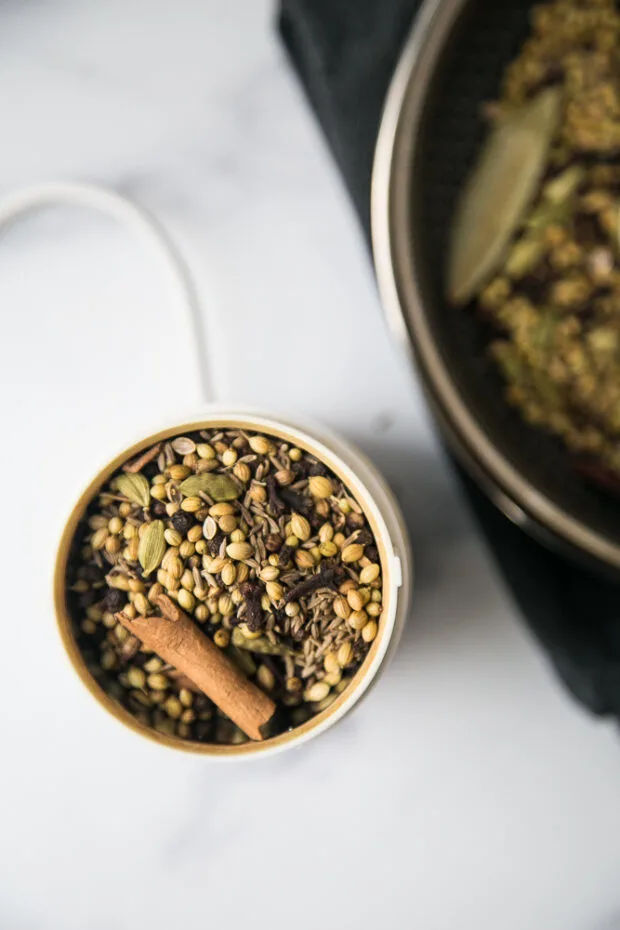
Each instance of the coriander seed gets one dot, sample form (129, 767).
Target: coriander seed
(228, 524)
(358, 619)
(179, 472)
(266, 678)
(355, 599)
(320, 487)
(270, 573)
(342, 608)
(330, 662)
(370, 573)
(303, 559)
(316, 692)
(99, 537)
(239, 551)
(352, 553)
(260, 445)
(186, 697)
(228, 574)
(242, 472)
(186, 600)
(136, 677)
(221, 638)
(115, 525)
(173, 707)
(300, 527)
(191, 504)
(173, 537)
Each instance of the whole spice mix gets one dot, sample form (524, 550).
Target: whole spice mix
(536, 241)
(255, 544)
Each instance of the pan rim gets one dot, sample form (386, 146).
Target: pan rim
(397, 272)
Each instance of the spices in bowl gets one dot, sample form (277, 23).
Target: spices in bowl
(256, 544)
(536, 242)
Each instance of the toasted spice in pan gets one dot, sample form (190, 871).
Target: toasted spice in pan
(553, 293)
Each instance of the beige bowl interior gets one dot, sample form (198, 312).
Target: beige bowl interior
(359, 682)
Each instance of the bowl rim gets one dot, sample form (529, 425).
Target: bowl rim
(397, 268)
(395, 566)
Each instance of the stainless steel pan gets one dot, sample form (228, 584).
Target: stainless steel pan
(452, 63)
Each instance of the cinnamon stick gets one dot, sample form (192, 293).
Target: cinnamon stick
(183, 681)
(138, 464)
(177, 640)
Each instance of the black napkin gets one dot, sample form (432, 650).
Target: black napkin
(345, 52)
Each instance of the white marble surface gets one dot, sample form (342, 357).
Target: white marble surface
(469, 791)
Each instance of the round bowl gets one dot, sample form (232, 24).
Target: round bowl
(431, 133)
(385, 520)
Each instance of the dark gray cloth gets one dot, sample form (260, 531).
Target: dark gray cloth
(345, 52)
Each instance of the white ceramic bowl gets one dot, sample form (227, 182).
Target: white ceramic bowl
(385, 520)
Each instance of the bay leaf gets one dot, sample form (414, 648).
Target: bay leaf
(499, 192)
(218, 487)
(152, 547)
(135, 487)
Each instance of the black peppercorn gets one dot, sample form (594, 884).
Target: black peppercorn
(159, 509)
(295, 501)
(92, 573)
(214, 545)
(273, 542)
(202, 703)
(182, 522)
(317, 469)
(203, 730)
(114, 600)
(285, 555)
(354, 521)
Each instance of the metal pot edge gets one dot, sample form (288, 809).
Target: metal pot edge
(517, 498)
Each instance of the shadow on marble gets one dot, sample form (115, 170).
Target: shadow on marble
(611, 923)
(444, 538)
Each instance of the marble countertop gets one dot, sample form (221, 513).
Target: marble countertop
(469, 790)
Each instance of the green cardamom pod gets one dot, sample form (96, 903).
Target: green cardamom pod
(218, 487)
(242, 660)
(135, 487)
(152, 547)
